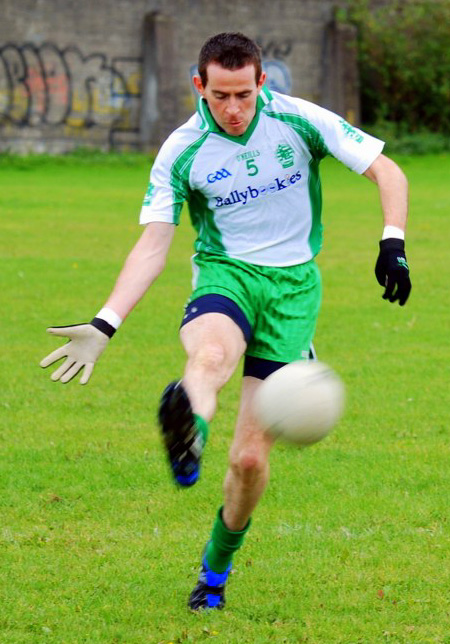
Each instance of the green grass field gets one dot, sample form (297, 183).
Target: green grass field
(350, 544)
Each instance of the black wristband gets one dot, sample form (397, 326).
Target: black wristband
(103, 326)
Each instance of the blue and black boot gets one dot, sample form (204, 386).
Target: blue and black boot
(209, 592)
(182, 439)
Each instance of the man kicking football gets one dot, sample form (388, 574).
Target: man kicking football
(247, 164)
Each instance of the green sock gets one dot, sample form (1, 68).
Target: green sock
(202, 427)
(223, 544)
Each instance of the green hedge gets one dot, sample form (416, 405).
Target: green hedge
(400, 141)
(404, 60)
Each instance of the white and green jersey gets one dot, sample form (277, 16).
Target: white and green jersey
(255, 197)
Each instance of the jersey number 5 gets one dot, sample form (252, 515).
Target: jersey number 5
(252, 168)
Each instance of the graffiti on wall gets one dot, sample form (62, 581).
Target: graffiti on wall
(278, 49)
(274, 54)
(47, 85)
(278, 76)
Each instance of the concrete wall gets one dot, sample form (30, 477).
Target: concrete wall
(115, 74)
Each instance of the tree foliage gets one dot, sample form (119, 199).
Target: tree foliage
(404, 59)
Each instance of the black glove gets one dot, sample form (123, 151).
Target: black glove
(392, 270)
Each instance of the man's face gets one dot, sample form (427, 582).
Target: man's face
(231, 96)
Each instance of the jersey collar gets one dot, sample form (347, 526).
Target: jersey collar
(209, 123)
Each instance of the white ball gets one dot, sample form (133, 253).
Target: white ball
(301, 402)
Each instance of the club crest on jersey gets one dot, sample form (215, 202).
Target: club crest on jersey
(149, 194)
(351, 132)
(284, 154)
(217, 176)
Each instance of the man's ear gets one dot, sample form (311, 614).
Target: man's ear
(198, 85)
(262, 80)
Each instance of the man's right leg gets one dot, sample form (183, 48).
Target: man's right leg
(214, 344)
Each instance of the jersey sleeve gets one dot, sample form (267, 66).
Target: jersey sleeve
(353, 147)
(166, 190)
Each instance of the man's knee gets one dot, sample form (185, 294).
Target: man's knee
(211, 358)
(249, 462)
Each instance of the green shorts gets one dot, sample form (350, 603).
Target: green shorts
(281, 304)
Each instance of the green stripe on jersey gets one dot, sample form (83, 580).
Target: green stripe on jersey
(179, 175)
(202, 218)
(263, 99)
(308, 132)
(315, 195)
(318, 148)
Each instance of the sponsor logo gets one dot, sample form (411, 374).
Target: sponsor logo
(217, 176)
(244, 196)
(351, 132)
(285, 155)
(251, 154)
(401, 261)
(149, 195)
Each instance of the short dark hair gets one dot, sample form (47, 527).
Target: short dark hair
(231, 50)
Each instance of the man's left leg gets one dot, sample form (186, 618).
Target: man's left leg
(245, 481)
(248, 471)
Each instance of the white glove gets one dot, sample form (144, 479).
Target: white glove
(86, 345)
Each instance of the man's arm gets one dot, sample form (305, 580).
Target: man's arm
(88, 341)
(142, 266)
(393, 188)
(392, 270)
